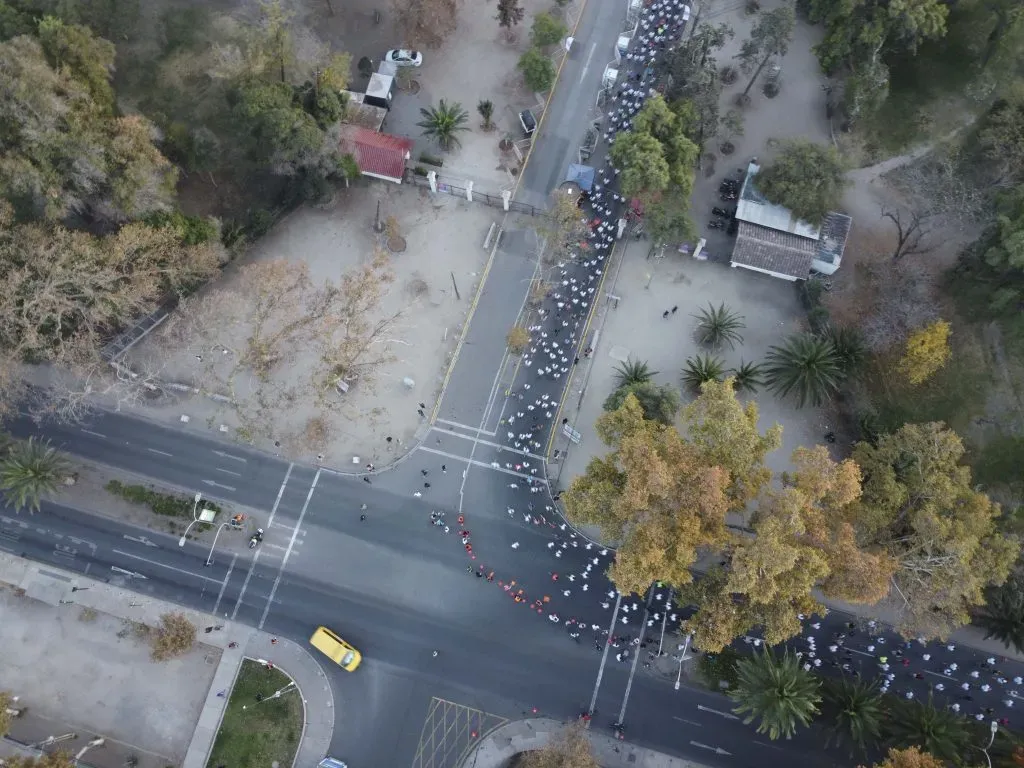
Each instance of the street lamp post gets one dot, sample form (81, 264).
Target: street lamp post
(993, 727)
(682, 658)
(209, 558)
(181, 541)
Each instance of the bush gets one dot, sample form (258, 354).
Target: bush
(159, 503)
(431, 160)
(175, 635)
(419, 170)
(716, 667)
(538, 71)
(193, 230)
(547, 30)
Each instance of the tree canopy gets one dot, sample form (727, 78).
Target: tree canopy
(568, 749)
(805, 177)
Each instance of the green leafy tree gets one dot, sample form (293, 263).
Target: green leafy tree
(89, 59)
(920, 507)
(777, 692)
(701, 369)
(694, 78)
(1002, 617)
(30, 470)
(538, 71)
(444, 122)
(748, 377)
(547, 30)
(633, 372)
(805, 366)
(642, 161)
(719, 325)
(659, 404)
(1001, 136)
(936, 730)
(769, 38)
(856, 712)
(848, 343)
(510, 13)
(806, 178)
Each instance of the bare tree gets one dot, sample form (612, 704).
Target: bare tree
(903, 299)
(565, 226)
(425, 23)
(912, 230)
(74, 393)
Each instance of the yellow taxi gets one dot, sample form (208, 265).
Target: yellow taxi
(336, 649)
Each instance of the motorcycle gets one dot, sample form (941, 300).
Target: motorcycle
(716, 211)
(256, 538)
(716, 224)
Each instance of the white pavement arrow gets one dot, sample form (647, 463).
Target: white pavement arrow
(130, 574)
(229, 456)
(716, 750)
(726, 715)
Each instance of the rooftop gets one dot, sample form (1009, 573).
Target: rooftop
(768, 249)
(755, 208)
(376, 154)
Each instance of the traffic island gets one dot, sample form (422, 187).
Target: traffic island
(263, 722)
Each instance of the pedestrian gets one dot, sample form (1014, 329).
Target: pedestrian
(222, 694)
(424, 472)
(232, 644)
(273, 641)
(664, 314)
(421, 413)
(444, 468)
(362, 517)
(367, 480)
(675, 309)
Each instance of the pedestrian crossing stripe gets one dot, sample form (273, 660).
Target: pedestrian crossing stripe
(450, 730)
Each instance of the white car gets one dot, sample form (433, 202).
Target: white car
(401, 57)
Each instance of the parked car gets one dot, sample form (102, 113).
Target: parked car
(402, 57)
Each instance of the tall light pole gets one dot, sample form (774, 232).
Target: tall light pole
(682, 658)
(664, 617)
(97, 742)
(209, 558)
(993, 727)
(181, 541)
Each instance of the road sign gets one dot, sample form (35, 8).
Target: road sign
(571, 433)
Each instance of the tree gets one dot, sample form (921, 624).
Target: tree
(45, 760)
(443, 123)
(806, 178)
(87, 58)
(565, 226)
(911, 757)
(849, 346)
(510, 13)
(938, 731)
(725, 433)
(174, 636)
(653, 496)
(547, 30)
(538, 71)
(776, 692)
(910, 235)
(517, 339)
(855, 708)
(275, 39)
(568, 749)
(1001, 136)
(30, 470)
(633, 372)
(769, 38)
(1002, 616)
(806, 366)
(485, 108)
(642, 161)
(702, 369)
(659, 404)
(920, 508)
(718, 325)
(426, 23)
(694, 78)
(732, 125)
(748, 377)
(927, 351)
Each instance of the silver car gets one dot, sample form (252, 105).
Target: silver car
(402, 57)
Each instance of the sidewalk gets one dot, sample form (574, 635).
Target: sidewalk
(500, 745)
(55, 586)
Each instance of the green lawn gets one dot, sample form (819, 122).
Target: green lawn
(261, 733)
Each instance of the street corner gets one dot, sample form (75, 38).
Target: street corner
(450, 731)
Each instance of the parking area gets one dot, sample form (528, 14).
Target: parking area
(81, 674)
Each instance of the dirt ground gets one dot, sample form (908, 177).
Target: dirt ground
(77, 670)
(435, 280)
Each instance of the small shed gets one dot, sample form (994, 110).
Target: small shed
(379, 155)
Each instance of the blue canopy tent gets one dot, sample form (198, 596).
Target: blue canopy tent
(580, 175)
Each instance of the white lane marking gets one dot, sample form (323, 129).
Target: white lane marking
(141, 540)
(256, 557)
(228, 472)
(288, 553)
(586, 66)
(716, 750)
(164, 565)
(485, 465)
(95, 434)
(161, 453)
(688, 722)
(130, 574)
(726, 715)
(770, 746)
(501, 448)
(465, 427)
(224, 585)
(220, 485)
(230, 456)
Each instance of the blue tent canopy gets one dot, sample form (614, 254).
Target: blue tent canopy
(582, 175)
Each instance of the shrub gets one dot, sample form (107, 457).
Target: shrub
(547, 30)
(431, 159)
(175, 635)
(717, 667)
(159, 503)
(538, 71)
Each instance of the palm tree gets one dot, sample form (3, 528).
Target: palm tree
(486, 110)
(748, 377)
(806, 366)
(659, 404)
(856, 712)
(849, 346)
(936, 730)
(719, 324)
(777, 691)
(1003, 614)
(443, 122)
(701, 368)
(633, 372)
(29, 470)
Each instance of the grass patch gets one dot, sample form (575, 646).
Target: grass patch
(256, 735)
(998, 463)
(716, 668)
(160, 503)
